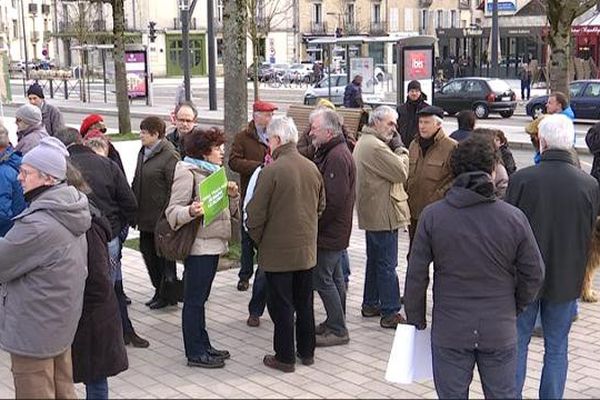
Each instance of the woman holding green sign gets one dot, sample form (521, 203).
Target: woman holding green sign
(205, 151)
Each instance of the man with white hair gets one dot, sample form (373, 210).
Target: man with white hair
(43, 267)
(282, 220)
(561, 203)
(381, 173)
(430, 175)
(250, 149)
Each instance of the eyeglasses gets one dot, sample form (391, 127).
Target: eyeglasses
(186, 121)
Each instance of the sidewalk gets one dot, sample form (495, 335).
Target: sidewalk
(355, 370)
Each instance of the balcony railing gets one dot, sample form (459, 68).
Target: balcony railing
(318, 27)
(351, 28)
(378, 27)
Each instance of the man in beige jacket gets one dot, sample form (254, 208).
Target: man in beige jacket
(283, 218)
(381, 173)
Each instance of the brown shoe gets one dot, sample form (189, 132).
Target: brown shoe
(370, 311)
(272, 362)
(253, 321)
(306, 360)
(392, 321)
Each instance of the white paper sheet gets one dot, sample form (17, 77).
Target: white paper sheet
(410, 358)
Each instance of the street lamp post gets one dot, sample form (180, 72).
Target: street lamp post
(212, 65)
(495, 32)
(24, 41)
(185, 38)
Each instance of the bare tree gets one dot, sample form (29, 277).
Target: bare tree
(561, 14)
(264, 15)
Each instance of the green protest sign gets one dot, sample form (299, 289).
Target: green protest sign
(213, 194)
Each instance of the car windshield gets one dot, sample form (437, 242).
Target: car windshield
(325, 81)
(498, 85)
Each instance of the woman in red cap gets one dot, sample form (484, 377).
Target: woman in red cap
(96, 121)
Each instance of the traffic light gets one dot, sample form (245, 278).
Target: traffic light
(152, 31)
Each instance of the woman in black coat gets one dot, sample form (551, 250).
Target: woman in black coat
(98, 350)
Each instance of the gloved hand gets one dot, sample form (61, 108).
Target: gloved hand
(420, 326)
(395, 142)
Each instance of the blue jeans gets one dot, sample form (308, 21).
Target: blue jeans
(453, 371)
(346, 265)
(381, 281)
(198, 275)
(247, 257)
(97, 390)
(328, 281)
(556, 324)
(114, 255)
(257, 304)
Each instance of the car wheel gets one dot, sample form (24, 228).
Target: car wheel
(537, 109)
(481, 111)
(506, 114)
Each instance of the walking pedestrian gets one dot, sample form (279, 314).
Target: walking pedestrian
(12, 201)
(43, 267)
(204, 151)
(353, 93)
(481, 282)
(30, 130)
(152, 183)
(408, 121)
(381, 205)
(560, 201)
(51, 117)
(284, 226)
(525, 77)
(334, 160)
(249, 150)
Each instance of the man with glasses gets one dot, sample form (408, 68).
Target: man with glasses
(185, 121)
(249, 150)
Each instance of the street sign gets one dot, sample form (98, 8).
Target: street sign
(136, 65)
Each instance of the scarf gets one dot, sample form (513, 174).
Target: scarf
(202, 164)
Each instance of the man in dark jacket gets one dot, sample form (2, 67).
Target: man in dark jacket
(353, 93)
(592, 139)
(249, 150)
(334, 160)
(483, 278)
(561, 203)
(152, 185)
(185, 121)
(51, 116)
(408, 121)
(466, 124)
(115, 199)
(12, 201)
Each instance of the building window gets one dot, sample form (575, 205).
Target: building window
(219, 50)
(453, 19)
(376, 13)
(15, 25)
(220, 10)
(439, 19)
(317, 13)
(423, 22)
(350, 14)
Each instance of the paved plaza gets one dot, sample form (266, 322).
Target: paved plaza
(355, 370)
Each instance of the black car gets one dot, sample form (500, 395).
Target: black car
(585, 100)
(264, 70)
(482, 95)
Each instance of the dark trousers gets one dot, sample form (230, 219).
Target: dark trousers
(247, 257)
(453, 372)
(525, 87)
(289, 293)
(199, 274)
(158, 267)
(257, 304)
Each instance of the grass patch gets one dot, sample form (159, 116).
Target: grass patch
(123, 137)
(234, 253)
(133, 244)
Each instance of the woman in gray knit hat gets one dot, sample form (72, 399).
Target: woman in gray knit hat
(30, 130)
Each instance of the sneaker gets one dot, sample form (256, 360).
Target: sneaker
(272, 362)
(306, 360)
(321, 329)
(243, 285)
(206, 361)
(392, 321)
(370, 311)
(331, 339)
(253, 321)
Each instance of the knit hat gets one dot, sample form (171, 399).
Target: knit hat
(48, 157)
(29, 114)
(36, 89)
(416, 85)
(88, 122)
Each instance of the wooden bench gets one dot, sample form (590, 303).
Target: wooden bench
(351, 117)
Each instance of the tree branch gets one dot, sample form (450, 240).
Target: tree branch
(584, 6)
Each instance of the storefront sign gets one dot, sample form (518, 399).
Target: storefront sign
(418, 66)
(585, 29)
(504, 6)
(136, 67)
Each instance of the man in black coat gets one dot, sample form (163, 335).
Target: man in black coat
(592, 139)
(408, 122)
(487, 268)
(561, 203)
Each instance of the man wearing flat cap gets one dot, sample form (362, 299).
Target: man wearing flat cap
(429, 175)
(249, 150)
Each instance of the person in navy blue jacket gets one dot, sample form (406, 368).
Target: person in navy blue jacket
(11, 193)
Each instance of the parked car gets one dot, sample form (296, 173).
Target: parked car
(585, 100)
(302, 70)
(264, 69)
(338, 85)
(482, 95)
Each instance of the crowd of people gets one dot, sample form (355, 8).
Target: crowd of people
(491, 231)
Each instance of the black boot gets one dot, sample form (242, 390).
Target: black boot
(136, 341)
(119, 289)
